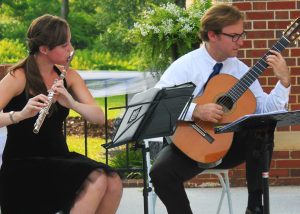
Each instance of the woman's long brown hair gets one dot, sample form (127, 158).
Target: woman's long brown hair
(47, 30)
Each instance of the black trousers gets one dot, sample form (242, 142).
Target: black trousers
(172, 168)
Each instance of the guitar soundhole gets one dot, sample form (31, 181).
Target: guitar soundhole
(226, 102)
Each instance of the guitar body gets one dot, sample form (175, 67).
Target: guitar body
(192, 143)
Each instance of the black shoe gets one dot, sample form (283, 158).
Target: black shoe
(256, 210)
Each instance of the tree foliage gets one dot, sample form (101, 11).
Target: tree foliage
(97, 26)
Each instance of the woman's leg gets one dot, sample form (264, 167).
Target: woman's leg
(111, 199)
(93, 190)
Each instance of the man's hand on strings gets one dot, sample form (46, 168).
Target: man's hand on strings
(281, 71)
(210, 112)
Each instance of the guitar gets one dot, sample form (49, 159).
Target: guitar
(197, 139)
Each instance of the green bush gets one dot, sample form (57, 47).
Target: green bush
(164, 33)
(96, 60)
(135, 158)
(11, 51)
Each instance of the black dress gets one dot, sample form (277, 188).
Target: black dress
(39, 174)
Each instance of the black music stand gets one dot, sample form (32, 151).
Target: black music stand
(263, 123)
(150, 114)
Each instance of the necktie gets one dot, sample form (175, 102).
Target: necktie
(216, 70)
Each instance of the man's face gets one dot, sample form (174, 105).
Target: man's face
(228, 42)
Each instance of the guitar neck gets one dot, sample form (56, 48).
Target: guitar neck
(244, 83)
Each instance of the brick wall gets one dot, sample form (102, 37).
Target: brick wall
(266, 20)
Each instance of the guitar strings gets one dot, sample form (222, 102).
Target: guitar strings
(239, 88)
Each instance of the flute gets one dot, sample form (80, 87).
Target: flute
(44, 111)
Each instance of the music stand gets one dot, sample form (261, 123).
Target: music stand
(150, 114)
(263, 122)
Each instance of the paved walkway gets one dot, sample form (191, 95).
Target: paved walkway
(283, 200)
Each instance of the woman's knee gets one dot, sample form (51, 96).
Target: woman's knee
(114, 185)
(98, 180)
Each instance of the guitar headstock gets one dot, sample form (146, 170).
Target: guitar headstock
(292, 32)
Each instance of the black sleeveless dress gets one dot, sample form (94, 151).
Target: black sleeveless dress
(39, 174)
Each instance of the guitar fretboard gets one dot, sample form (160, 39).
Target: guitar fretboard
(244, 83)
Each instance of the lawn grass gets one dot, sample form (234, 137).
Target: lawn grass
(115, 101)
(94, 148)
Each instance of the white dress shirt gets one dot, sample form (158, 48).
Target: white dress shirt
(197, 65)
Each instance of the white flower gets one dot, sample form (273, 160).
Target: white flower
(167, 26)
(172, 8)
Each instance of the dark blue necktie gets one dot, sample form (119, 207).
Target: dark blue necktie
(216, 70)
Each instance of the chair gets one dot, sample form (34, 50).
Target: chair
(222, 175)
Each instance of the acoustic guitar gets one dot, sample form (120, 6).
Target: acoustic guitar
(197, 139)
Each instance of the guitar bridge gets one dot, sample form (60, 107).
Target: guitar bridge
(203, 133)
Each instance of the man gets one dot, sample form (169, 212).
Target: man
(222, 33)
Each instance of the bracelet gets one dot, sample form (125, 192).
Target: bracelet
(11, 116)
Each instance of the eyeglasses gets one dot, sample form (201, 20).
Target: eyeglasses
(236, 37)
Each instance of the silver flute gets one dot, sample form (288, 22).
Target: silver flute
(44, 111)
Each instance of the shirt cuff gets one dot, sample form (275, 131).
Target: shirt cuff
(282, 91)
(189, 113)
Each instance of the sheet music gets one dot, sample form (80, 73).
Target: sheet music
(281, 118)
(134, 114)
(152, 113)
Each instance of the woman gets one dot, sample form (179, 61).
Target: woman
(39, 174)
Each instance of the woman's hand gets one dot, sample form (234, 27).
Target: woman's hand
(33, 106)
(62, 96)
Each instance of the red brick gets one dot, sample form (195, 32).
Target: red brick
(248, 25)
(295, 52)
(287, 181)
(260, 25)
(259, 6)
(279, 172)
(290, 61)
(254, 53)
(295, 89)
(260, 44)
(272, 81)
(281, 5)
(281, 155)
(294, 14)
(295, 127)
(295, 154)
(282, 15)
(295, 107)
(241, 54)
(295, 71)
(272, 42)
(288, 163)
(248, 62)
(263, 81)
(262, 34)
(268, 89)
(260, 15)
(295, 172)
(293, 99)
(243, 5)
(285, 128)
(247, 44)
(293, 80)
(278, 24)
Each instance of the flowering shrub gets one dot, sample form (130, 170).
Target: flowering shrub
(163, 33)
